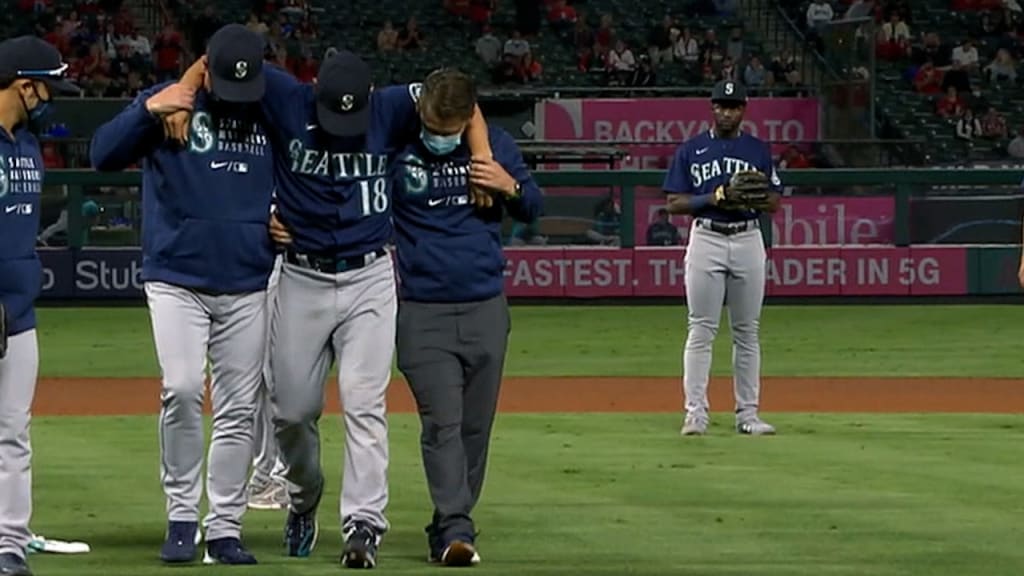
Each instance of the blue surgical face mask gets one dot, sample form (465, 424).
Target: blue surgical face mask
(440, 145)
(40, 111)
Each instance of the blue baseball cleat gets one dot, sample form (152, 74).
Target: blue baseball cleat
(181, 544)
(227, 551)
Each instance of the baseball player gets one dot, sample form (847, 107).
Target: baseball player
(453, 319)
(31, 73)
(206, 262)
(336, 294)
(724, 177)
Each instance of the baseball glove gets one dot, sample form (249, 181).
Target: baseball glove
(3, 331)
(746, 190)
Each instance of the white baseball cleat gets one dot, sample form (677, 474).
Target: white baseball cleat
(271, 496)
(694, 425)
(755, 427)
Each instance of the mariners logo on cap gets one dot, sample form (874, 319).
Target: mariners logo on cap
(241, 69)
(348, 102)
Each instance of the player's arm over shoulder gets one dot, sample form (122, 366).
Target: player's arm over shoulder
(528, 205)
(129, 136)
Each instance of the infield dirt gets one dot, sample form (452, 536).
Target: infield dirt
(121, 396)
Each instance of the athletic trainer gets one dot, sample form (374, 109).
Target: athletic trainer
(206, 259)
(336, 297)
(453, 319)
(725, 258)
(31, 73)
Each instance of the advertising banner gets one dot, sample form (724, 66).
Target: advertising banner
(555, 272)
(658, 125)
(794, 271)
(801, 221)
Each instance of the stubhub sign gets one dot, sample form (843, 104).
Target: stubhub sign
(92, 274)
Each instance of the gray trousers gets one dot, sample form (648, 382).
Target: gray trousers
(18, 371)
(319, 319)
(230, 330)
(453, 356)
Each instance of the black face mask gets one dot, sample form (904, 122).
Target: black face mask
(36, 116)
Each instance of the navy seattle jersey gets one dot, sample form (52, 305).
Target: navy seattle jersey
(21, 182)
(333, 193)
(449, 250)
(705, 162)
(204, 205)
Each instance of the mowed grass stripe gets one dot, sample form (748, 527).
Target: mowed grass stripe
(882, 341)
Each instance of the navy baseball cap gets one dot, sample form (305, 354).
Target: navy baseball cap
(729, 92)
(234, 57)
(343, 94)
(34, 58)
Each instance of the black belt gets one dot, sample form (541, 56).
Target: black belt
(331, 264)
(728, 228)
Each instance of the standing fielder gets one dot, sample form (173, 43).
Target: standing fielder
(721, 177)
(336, 295)
(31, 71)
(206, 262)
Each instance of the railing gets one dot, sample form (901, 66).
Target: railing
(902, 184)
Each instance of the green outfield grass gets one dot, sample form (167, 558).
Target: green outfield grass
(929, 495)
(609, 494)
(640, 341)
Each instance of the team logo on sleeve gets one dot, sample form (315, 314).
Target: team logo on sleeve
(415, 89)
(416, 178)
(5, 182)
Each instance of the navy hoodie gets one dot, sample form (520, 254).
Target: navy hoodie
(449, 250)
(205, 206)
(21, 181)
(333, 193)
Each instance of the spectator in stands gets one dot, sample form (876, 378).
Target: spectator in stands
(256, 25)
(605, 35)
(529, 70)
(819, 13)
(488, 47)
(728, 70)
(644, 74)
(621, 63)
(660, 39)
(561, 16)
(516, 46)
(687, 49)
(168, 49)
(661, 232)
(480, 11)
(734, 47)
(508, 71)
(894, 38)
(951, 105)
(988, 28)
(784, 70)
(139, 46)
(387, 38)
(582, 35)
(993, 124)
(933, 49)
(968, 127)
(928, 79)
(1002, 69)
(307, 30)
(410, 38)
(965, 56)
(306, 69)
(711, 49)
(794, 159)
(1016, 147)
(607, 216)
(755, 74)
